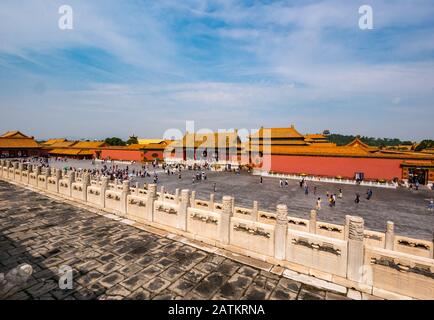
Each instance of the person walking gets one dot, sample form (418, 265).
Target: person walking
(260, 181)
(318, 204)
(281, 183)
(357, 199)
(431, 205)
(340, 194)
(369, 194)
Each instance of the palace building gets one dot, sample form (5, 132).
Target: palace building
(285, 150)
(14, 144)
(147, 150)
(223, 147)
(71, 149)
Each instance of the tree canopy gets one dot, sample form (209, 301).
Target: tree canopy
(341, 140)
(114, 141)
(132, 140)
(424, 144)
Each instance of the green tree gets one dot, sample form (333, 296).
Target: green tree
(114, 141)
(424, 144)
(133, 140)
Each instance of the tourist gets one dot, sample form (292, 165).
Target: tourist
(340, 194)
(260, 181)
(357, 200)
(306, 190)
(318, 204)
(281, 183)
(286, 183)
(214, 187)
(369, 194)
(431, 205)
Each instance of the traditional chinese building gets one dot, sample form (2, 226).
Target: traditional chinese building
(72, 149)
(14, 144)
(151, 150)
(224, 147)
(285, 150)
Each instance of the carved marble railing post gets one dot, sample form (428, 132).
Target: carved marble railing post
(255, 211)
(47, 174)
(71, 180)
(162, 191)
(152, 196)
(211, 202)
(29, 171)
(104, 186)
(58, 176)
(124, 195)
(193, 199)
(183, 209)
(37, 174)
(225, 220)
(20, 169)
(8, 165)
(312, 221)
(355, 249)
(85, 182)
(280, 231)
(1, 168)
(347, 226)
(177, 195)
(15, 167)
(433, 245)
(6, 172)
(390, 236)
(137, 189)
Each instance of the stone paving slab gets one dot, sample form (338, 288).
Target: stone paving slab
(113, 260)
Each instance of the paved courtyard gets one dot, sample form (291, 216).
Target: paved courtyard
(113, 260)
(406, 208)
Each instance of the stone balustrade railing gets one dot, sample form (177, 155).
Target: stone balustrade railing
(347, 254)
(385, 184)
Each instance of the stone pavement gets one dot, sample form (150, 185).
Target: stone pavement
(113, 260)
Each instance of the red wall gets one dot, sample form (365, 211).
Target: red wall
(127, 155)
(148, 155)
(336, 166)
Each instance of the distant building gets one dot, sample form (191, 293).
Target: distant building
(153, 150)
(285, 150)
(14, 144)
(224, 147)
(71, 149)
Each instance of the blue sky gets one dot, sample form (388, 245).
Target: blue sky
(141, 67)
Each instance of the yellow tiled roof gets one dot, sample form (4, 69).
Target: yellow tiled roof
(149, 141)
(61, 144)
(53, 141)
(89, 144)
(208, 140)
(274, 133)
(69, 152)
(15, 139)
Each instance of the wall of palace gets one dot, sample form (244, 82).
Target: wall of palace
(379, 263)
(373, 168)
